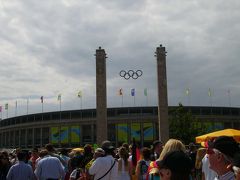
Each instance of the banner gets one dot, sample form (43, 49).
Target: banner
(64, 135)
(75, 134)
(135, 131)
(148, 131)
(122, 132)
(54, 135)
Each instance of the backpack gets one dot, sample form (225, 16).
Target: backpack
(81, 174)
(143, 167)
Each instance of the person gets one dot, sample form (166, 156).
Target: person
(220, 154)
(33, 158)
(207, 173)
(21, 170)
(106, 167)
(49, 167)
(4, 165)
(123, 164)
(143, 164)
(171, 145)
(156, 150)
(236, 165)
(79, 171)
(175, 165)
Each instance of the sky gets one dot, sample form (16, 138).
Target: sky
(47, 48)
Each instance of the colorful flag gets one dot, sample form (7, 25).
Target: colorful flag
(6, 106)
(79, 94)
(209, 92)
(187, 91)
(120, 92)
(132, 92)
(0, 108)
(59, 97)
(41, 99)
(145, 92)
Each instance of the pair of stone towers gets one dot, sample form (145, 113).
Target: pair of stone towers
(101, 94)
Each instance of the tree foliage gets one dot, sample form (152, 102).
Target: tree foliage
(184, 126)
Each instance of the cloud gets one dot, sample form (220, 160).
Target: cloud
(48, 48)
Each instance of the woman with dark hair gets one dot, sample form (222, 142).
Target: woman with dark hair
(123, 164)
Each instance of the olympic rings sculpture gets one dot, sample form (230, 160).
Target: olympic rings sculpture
(130, 74)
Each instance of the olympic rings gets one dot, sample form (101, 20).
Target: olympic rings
(130, 74)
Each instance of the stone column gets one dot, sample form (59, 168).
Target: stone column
(162, 94)
(101, 90)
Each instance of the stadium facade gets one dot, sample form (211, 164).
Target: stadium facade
(75, 128)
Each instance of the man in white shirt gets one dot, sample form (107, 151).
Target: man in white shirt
(21, 170)
(105, 168)
(220, 153)
(49, 168)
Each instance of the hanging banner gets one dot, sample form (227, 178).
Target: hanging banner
(148, 131)
(64, 135)
(54, 135)
(75, 134)
(135, 131)
(122, 130)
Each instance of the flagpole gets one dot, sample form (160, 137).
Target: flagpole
(122, 100)
(16, 109)
(81, 103)
(27, 106)
(134, 100)
(229, 98)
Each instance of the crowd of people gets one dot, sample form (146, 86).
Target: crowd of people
(219, 159)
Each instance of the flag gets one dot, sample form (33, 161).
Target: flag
(41, 99)
(187, 91)
(209, 92)
(59, 97)
(133, 92)
(145, 92)
(120, 92)
(79, 94)
(6, 106)
(0, 108)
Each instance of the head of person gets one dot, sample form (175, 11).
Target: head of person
(146, 153)
(49, 147)
(126, 146)
(108, 147)
(123, 153)
(88, 149)
(22, 156)
(221, 152)
(157, 146)
(34, 152)
(99, 152)
(172, 145)
(174, 166)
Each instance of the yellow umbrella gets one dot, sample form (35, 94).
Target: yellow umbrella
(226, 132)
(78, 149)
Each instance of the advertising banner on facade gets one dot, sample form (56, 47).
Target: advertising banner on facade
(75, 134)
(148, 131)
(135, 131)
(122, 130)
(64, 135)
(54, 135)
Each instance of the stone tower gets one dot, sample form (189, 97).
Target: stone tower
(101, 91)
(162, 94)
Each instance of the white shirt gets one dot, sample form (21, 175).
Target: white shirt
(209, 173)
(101, 165)
(20, 171)
(49, 167)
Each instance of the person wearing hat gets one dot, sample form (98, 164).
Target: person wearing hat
(105, 168)
(175, 165)
(156, 150)
(220, 153)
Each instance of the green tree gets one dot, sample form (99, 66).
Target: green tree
(183, 125)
